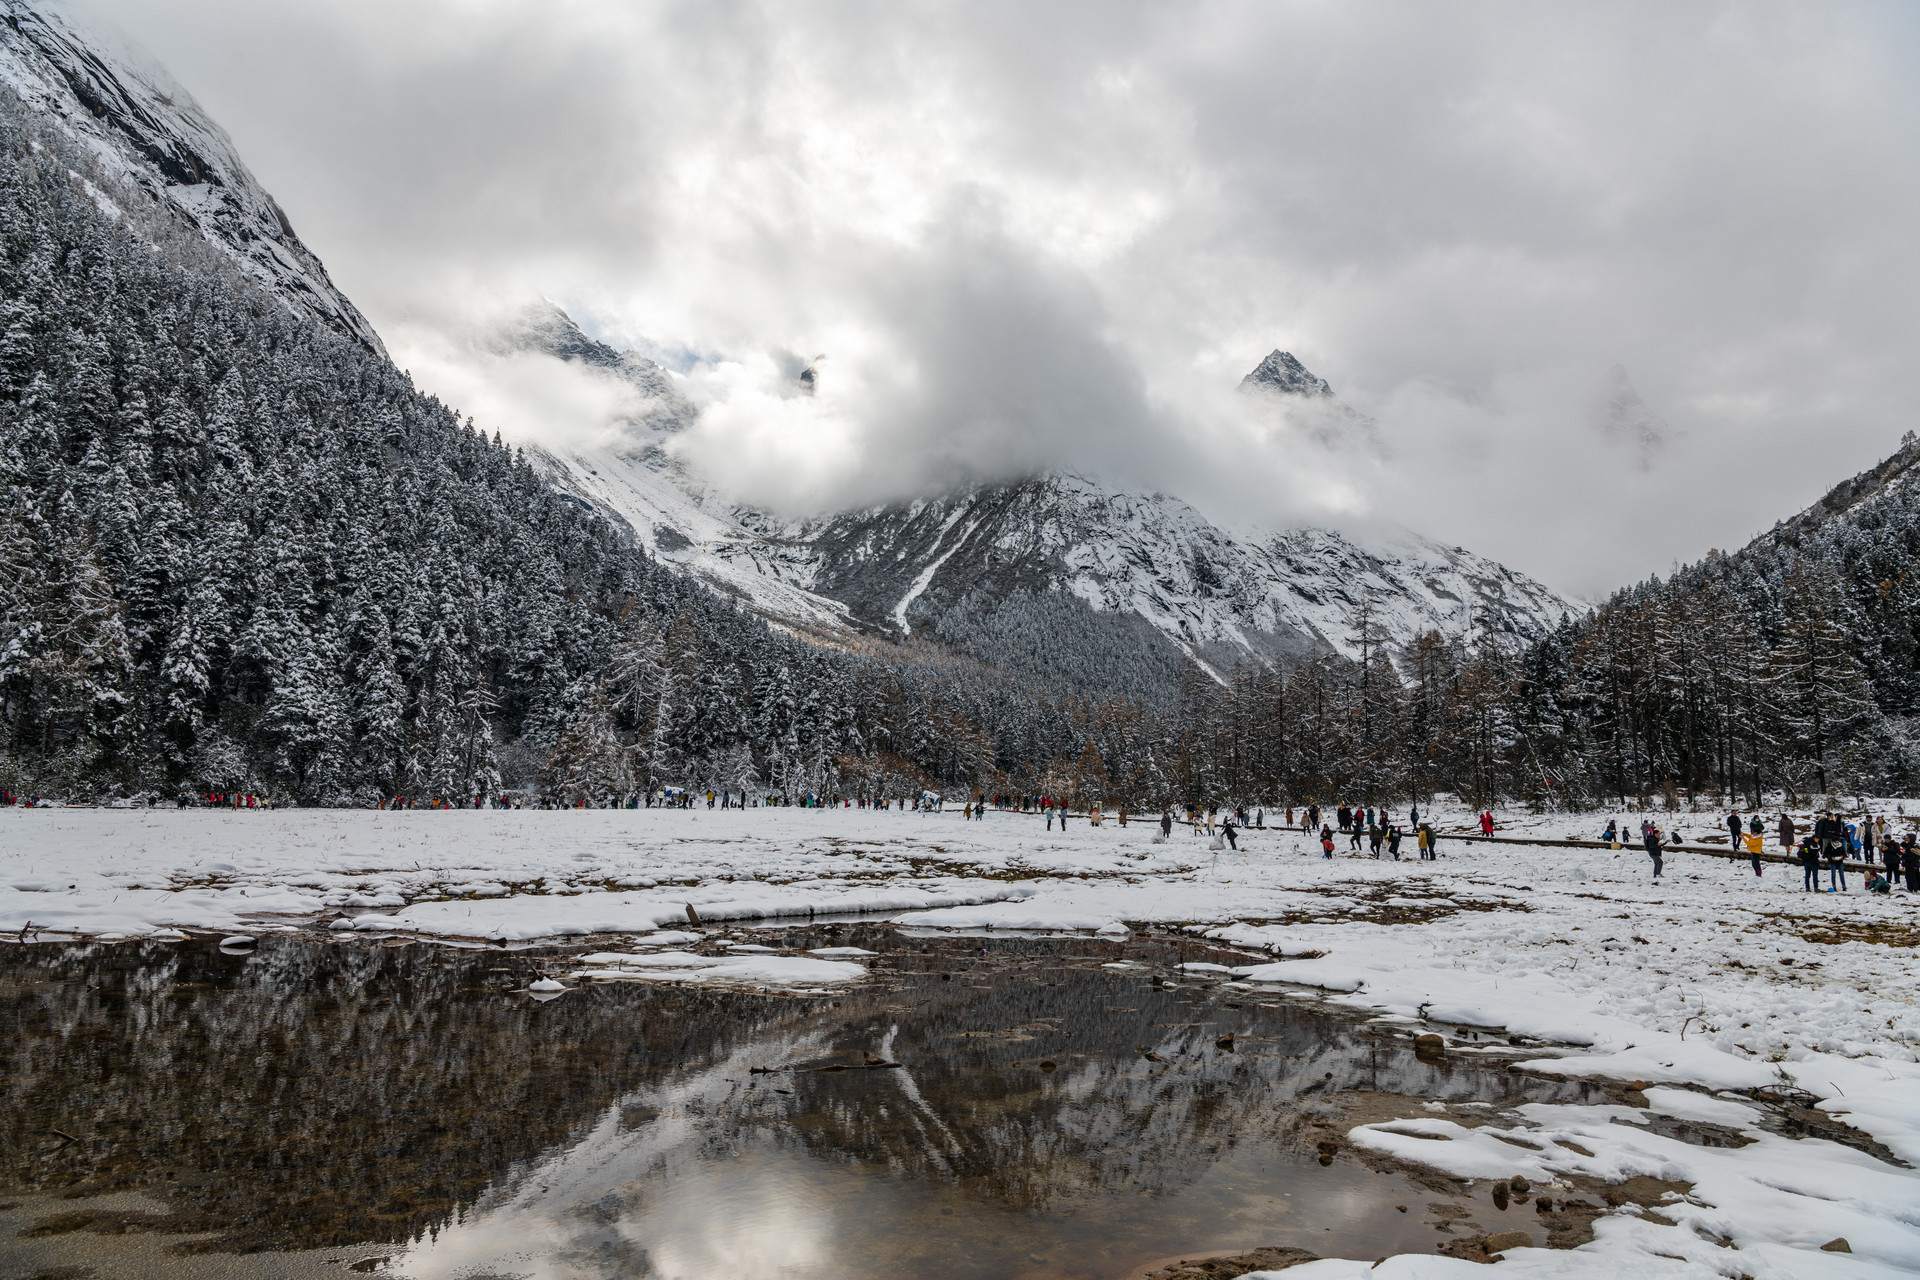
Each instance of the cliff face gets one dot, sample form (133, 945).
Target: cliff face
(145, 129)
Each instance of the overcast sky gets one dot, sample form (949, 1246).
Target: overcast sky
(1030, 235)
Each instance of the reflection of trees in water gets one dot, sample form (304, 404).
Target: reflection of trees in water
(322, 1094)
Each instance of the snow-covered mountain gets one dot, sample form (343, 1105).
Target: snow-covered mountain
(144, 128)
(1623, 418)
(939, 565)
(1128, 567)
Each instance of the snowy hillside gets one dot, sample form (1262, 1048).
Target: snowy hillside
(1844, 501)
(142, 127)
(1219, 597)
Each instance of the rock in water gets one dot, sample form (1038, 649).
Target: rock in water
(1502, 1240)
(546, 984)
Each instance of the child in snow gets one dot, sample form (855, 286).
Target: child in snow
(1326, 842)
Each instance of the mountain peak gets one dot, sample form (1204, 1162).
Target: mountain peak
(545, 328)
(1281, 372)
(1623, 417)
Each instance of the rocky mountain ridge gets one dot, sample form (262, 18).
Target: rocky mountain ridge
(934, 566)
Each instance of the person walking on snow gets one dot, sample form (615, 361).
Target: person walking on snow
(1733, 830)
(1326, 842)
(1226, 829)
(1809, 866)
(1753, 850)
(1486, 823)
(1652, 842)
(1786, 832)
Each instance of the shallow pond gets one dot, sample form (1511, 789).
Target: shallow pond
(313, 1106)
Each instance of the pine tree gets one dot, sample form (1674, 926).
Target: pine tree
(1823, 689)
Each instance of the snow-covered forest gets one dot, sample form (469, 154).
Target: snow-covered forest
(242, 553)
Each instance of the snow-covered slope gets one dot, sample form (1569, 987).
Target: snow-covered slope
(1895, 475)
(1220, 597)
(142, 126)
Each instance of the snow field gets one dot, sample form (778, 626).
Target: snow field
(1574, 952)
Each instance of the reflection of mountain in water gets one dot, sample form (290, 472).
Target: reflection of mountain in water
(326, 1094)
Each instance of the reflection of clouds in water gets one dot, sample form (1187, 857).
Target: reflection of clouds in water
(649, 1191)
(759, 1213)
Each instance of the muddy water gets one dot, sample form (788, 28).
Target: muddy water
(174, 1110)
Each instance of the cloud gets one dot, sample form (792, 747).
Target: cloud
(1059, 235)
(528, 397)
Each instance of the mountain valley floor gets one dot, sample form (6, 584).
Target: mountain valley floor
(1783, 1023)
